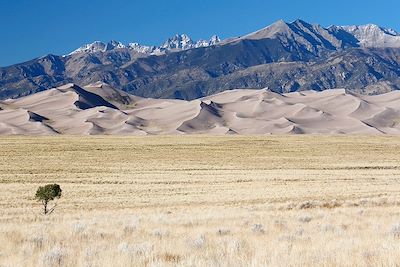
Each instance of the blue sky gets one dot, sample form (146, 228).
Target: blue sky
(32, 28)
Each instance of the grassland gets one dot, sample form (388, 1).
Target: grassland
(202, 201)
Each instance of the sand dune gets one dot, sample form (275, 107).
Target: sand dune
(100, 109)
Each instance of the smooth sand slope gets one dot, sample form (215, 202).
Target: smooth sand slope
(100, 109)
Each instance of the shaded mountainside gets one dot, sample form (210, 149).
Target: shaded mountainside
(101, 109)
(283, 57)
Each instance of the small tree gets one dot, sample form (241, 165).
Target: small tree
(48, 193)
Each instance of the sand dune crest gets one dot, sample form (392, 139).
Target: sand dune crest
(100, 109)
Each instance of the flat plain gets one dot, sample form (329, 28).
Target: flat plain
(304, 200)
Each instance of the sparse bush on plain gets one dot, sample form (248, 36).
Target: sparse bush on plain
(54, 257)
(223, 231)
(78, 227)
(395, 231)
(258, 229)
(37, 240)
(144, 248)
(305, 219)
(159, 233)
(132, 225)
(170, 257)
(306, 205)
(198, 242)
(48, 193)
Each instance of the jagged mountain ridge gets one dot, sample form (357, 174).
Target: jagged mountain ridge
(176, 43)
(284, 57)
(371, 35)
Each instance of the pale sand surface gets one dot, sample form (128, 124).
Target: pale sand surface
(100, 109)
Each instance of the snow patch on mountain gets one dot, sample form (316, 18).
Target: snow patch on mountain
(371, 35)
(178, 42)
(144, 49)
(298, 32)
(98, 46)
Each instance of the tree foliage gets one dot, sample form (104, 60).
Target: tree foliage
(48, 193)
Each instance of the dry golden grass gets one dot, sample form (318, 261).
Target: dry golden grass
(202, 201)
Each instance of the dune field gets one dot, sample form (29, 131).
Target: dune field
(99, 109)
(295, 200)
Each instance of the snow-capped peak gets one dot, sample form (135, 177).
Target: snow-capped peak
(144, 49)
(115, 45)
(98, 46)
(214, 40)
(179, 42)
(368, 29)
(183, 42)
(371, 35)
(176, 43)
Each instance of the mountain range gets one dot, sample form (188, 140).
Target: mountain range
(283, 57)
(176, 43)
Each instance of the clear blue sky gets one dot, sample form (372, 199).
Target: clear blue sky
(32, 28)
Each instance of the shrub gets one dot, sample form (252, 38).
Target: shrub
(258, 228)
(223, 231)
(48, 193)
(54, 257)
(305, 219)
(395, 231)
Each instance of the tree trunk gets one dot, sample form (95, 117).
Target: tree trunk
(45, 207)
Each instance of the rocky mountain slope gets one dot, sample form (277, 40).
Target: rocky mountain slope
(100, 109)
(283, 57)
